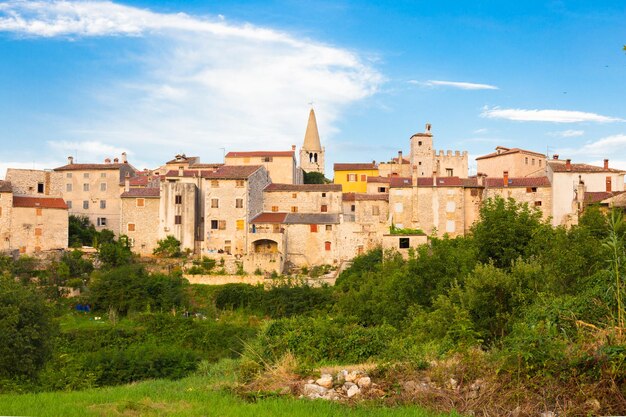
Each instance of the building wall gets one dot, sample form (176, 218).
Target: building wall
(358, 186)
(541, 199)
(422, 153)
(388, 169)
(34, 230)
(515, 163)
(472, 199)
(25, 182)
(304, 201)
(146, 223)
(392, 243)
(441, 209)
(6, 212)
(308, 162)
(455, 161)
(169, 209)
(281, 169)
(402, 208)
(307, 248)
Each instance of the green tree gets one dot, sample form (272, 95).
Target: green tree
(81, 231)
(26, 330)
(315, 178)
(168, 247)
(114, 254)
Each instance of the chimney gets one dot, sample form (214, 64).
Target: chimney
(116, 160)
(428, 126)
(608, 184)
(580, 193)
(107, 160)
(568, 164)
(555, 156)
(505, 178)
(181, 171)
(293, 147)
(434, 178)
(400, 157)
(127, 182)
(70, 160)
(606, 164)
(481, 179)
(124, 160)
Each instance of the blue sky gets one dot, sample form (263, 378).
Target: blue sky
(94, 79)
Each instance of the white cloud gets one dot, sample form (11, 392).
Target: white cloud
(455, 84)
(480, 131)
(556, 116)
(570, 133)
(608, 147)
(202, 83)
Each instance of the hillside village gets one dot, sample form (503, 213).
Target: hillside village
(255, 207)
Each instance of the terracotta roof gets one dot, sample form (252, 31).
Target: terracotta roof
(186, 173)
(354, 166)
(84, 167)
(259, 153)
(39, 202)
(378, 179)
(518, 182)
(152, 192)
(269, 218)
(200, 166)
(400, 182)
(304, 187)
(312, 218)
(5, 187)
(441, 182)
(509, 151)
(183, 159)
(561, 167)
(365, 197)
(618, 199)
(423, 134)
(232, 172)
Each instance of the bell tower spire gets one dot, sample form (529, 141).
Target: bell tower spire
(312, 153)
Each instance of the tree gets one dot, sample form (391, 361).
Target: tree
(81, 231)
(315, 178)
(26, 330)
(168, 247)
(114, 254)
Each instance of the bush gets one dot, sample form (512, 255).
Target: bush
(168, 248)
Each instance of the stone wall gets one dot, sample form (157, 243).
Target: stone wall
(36, 230)
(178, 199)
(6, 212)
(28, 181)
(145, 221)
(305, 202)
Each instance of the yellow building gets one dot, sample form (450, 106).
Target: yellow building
(353, 177)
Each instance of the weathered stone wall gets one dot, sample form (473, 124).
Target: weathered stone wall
(6, 213)
(456, 161)
(388, 169)
(281, 169)
(541, 199)
(26, 181)
(169, 209)
(518, 165)
(31, 232)
(392, 243)
(306, 202)
(146, 223)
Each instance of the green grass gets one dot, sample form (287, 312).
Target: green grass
(192, 396)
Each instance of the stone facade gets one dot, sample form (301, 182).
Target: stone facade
(426, 161)
(517, 162)
(34, 182)
(177, 213)
(304, 198)
(6, 212)
(281, 166)
(403, 243)
(140, 218)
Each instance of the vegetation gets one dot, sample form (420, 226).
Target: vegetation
(168, 247)
(315, 178)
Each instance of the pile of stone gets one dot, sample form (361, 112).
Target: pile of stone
(342, 386)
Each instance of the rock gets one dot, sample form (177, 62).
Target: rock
(347, 385)
(340, 378)
(410, 386)
(326, 381)
(548, 414)
(453, 384)
(311, 381)
(353, 376)
(364, 382)
(313, 389)
(516, 412)
(331, 395)
(353, 390)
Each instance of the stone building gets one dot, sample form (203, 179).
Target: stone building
(312, 152)
(397, 167)
(281, 165)
(93, 190)
(34, 182)
(302, 198)
(6, 211)
(425, 159)
(518, 162)
(140, 218)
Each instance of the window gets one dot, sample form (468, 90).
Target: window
(313, 228)
(329, 227)
(102, 221)
(68, 188)
(227, 246)
(103, 175)
(130, 227)
(40, 188)
(103, 204)
(215, 183)
(38, 212)
(449, 172)
(531, 189)
(69, 204)
(86, 186)
(178, 219)
(103, 186)
(324, 208)
(68, 175)
(239, 224)
(353, 208)
(294, 209)
(323, 194)
(526, 160)
(86, 204)
(239, 203)
(382, 189)
(140, 202)
(539, 162)
(267, 159)
(239, 183)
(419, 163)
(274, 208)
(215, 203)
(294, 195)
(419, 143)
(221, 224)
(214, 224)
(375, 210)
(86, 175)
(537, 203)
(351, 177)
(404, 243)
(38, 231)
(178, 199)
(327, 246)
(533, 161)
(363, 177)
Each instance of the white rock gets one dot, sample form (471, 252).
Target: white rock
(340, 378)
(347, 385)
(548, 414)
(353, 376)
(364, 382)
(453, 383)
(310, 389)
(353, 390)
(325, 381)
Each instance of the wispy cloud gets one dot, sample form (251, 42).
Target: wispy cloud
(201, 82)
(608, 147)
(570, 133)
(455, 84)
(555, 116)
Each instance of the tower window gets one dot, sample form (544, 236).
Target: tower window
(419, 143)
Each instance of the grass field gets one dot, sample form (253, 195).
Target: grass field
(192, 396)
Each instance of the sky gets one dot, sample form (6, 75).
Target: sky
(93, 79)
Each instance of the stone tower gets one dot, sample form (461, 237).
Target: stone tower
(312, 153)
(422, 153)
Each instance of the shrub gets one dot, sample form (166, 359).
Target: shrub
(168, 247)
